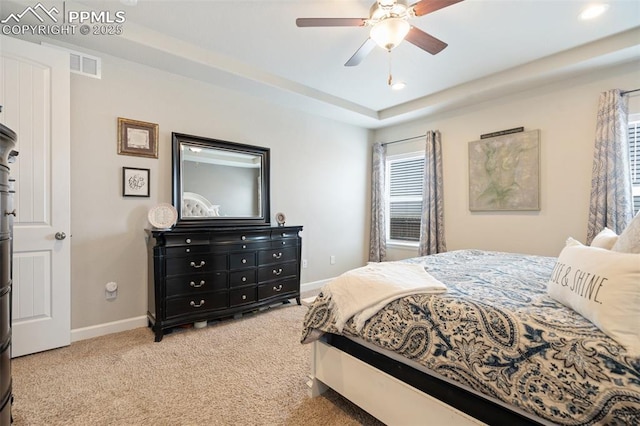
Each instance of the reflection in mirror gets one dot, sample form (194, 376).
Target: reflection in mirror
(219, 183)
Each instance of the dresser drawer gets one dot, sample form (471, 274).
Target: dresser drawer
(196, 283)
(5, 373)
(196, 303)
(245, 277)
(5, 218)
(242, 296)
(277, 288)
(275, 234)
(241, 237)
(5, 263)
(278, 255)
(284, 243)
(187, 239)
(248, 246)
(196, 263)
(187, 250)
(278, 270)
(242, 260)
(5, 328)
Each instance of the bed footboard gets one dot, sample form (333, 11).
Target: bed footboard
(381, 395)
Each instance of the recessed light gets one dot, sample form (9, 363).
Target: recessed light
(398, 85)
(593, 11)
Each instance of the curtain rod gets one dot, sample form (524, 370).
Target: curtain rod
(629, 91)
(404, 140)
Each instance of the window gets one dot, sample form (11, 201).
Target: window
(634, 152)
(405, 175)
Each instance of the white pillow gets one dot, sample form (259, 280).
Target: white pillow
(604, 287)
(605, 239)
(629, 239)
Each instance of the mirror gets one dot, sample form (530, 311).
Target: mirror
(219, 183)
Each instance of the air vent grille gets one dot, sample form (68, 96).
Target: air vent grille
(81, 63)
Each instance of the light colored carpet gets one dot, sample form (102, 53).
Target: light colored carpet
(250, 371)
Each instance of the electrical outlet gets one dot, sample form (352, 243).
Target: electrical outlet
(304, 263)
(111, 290)
(332, 260)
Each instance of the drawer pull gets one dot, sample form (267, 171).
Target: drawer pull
(244, 260)
(188, 241)
(243, 238)
(244, 297)
(277, 255)
(284, 243)
(198, 305)
(244, 279)
(11, 213)
(194, 285)
(274, 288)
(187, 250)
(197, 266)
(244, 246)
(278, 272)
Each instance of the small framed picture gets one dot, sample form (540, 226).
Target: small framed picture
(137, 138)
(135, 182)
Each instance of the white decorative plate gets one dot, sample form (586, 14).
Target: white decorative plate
(163, 216)
(280, 218)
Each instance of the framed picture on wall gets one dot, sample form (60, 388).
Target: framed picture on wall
(137, 138)
(135, 182)
(504, 173)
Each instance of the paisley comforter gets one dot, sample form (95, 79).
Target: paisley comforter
(498, 332)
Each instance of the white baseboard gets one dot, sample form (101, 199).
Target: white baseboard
(314, 285)
(131, 323)
(107, 328)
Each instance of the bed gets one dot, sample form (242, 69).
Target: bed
(495, 348)
(196, 205)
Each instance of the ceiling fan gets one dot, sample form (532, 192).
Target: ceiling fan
(389, 24)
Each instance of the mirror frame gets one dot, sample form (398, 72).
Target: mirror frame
(264, 154)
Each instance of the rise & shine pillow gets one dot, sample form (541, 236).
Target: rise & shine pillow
(604, 287)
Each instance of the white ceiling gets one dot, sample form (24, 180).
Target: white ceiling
(495, 47)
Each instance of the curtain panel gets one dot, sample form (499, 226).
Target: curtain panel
(611, 203)
(432, 222)
(378, 233)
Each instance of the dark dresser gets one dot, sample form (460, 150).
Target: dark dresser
(7, 143)
(201, 274)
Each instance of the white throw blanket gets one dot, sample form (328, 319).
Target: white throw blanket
(362, 292)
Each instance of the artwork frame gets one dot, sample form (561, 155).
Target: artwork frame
(135, 182)
(504, 173)
(137, 138)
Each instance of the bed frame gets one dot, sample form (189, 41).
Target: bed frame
(396, 393)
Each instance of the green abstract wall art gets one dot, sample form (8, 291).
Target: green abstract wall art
(504, 172)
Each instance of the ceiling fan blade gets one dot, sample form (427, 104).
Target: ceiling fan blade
(427, 6)
(361, 53)
(330, 22)
(425, 41)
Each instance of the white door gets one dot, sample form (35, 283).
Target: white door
(35, 99)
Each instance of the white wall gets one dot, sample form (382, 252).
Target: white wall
(319, 178)
(565, 113)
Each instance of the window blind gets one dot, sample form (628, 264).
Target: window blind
(634, 158)
(405, 198)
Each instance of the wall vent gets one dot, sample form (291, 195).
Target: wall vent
(81, 63)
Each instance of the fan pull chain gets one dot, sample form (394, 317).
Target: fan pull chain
(390, 79)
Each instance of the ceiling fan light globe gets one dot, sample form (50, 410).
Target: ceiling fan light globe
(389, 32)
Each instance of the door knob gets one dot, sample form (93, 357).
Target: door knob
(60, 235)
